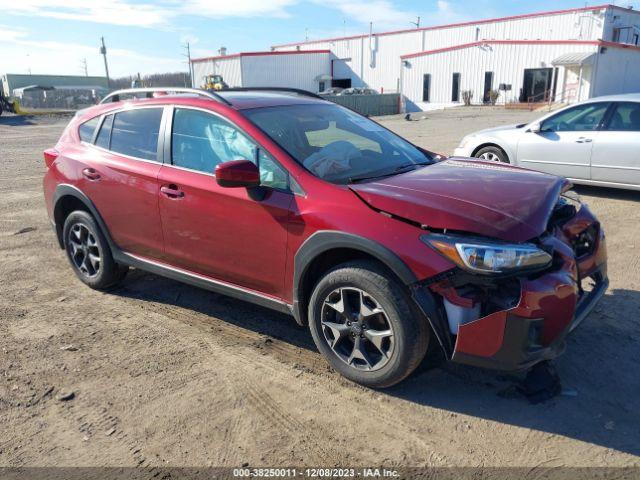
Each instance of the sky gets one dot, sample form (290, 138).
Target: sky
(144, 36)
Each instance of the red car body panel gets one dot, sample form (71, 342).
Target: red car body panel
(184, 220)
(214, 231)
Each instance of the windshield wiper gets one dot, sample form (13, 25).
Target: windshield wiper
(404, 168)
(371, 177)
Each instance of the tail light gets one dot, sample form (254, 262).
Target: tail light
(50, 156)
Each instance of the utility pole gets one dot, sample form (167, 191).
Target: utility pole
(103, 52)
(187, 49)
(417, 24)
(83, 65)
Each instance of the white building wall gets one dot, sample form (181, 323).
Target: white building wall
(292, 71)
(621, 18)
(229, 68)
(617, 71)
(388, 47)
(507, 61)
(567, 26)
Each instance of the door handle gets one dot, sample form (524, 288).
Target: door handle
(584, 140)
(91, 174)
(172, 191)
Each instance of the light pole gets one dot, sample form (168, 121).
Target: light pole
(103, 52)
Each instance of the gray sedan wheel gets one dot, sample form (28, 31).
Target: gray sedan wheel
(492, 154)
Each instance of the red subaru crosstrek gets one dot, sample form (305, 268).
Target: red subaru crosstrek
(297, 204)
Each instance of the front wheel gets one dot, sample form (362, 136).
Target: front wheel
(493, 154)
(366, 325)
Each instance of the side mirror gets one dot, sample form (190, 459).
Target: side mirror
(237, 173)
(535, 127)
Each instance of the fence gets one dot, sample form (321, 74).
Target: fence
(68, 99)
(369, 105)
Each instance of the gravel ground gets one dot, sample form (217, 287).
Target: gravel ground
(157, 373)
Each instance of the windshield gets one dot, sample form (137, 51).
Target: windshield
(337, 144)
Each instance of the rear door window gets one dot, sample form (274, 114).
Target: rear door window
(625, 118)
(135, 133)
(87, 129)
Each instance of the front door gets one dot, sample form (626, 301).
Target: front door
(616, 151)
(229, 234)
(537, 84)
(564, 144)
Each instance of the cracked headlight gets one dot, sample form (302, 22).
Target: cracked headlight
(488, 257)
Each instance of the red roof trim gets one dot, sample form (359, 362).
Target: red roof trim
(463, 24)
(622, 46)
(522, 42)
(259, 54)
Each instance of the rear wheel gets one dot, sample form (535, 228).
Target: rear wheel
(493, 154)
(89, 253)
(366, 325)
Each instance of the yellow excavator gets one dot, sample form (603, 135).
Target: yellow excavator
(214, 82)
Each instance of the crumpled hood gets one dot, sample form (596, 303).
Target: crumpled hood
(484, 198)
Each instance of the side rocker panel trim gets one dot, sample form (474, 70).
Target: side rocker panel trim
(200, 281)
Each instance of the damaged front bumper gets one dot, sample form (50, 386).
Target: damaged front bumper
(549, 307)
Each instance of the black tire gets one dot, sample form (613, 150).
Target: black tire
(492, 154)
(83, 243)
(407, 345)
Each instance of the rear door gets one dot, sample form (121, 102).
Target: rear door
(230, 234)
(121, 178)
(616, 151)
(564, 145)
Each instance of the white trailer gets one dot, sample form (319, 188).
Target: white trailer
(307, 70)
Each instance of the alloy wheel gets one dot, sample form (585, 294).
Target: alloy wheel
(357, 329)
(84, 250)
(492, 157)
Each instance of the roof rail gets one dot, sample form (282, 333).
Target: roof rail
(297, 91)
(115, 96)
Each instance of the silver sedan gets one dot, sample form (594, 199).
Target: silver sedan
(596, 142)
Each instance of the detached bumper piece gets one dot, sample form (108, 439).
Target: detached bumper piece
(550, 307)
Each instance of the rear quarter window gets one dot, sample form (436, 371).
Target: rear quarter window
(87, 129)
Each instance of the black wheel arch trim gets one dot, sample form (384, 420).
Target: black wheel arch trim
(326, 240)
(66, 190)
